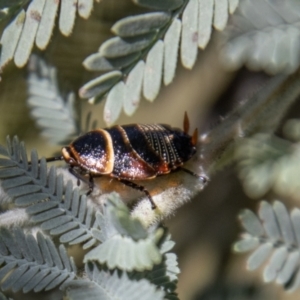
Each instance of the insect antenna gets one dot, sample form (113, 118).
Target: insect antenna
(54, 158)
(186, 123)
(50, 159)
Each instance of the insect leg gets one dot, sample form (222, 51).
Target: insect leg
(204, 179)
(80, 177)
(140, 188)
(91, 184)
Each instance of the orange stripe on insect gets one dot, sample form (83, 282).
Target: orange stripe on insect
(108, 162)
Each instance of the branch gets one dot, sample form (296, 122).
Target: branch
(263, 112)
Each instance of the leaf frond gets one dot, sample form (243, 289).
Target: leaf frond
(34, 25)
(145, 51)
(125, 243)
(164, 274)
(61, 211)
(52, 113)
(262, 36)
(106, 286)
(264, 161)
(273, 236)
(30, 264)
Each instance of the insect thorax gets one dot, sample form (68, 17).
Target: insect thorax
(172, 145)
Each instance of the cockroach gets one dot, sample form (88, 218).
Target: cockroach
(130, 152)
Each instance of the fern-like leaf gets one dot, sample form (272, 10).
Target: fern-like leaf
(125, 244)
(165, 274)
(34, 25)
(264, 35)
(62, 212)
(53, 114)
(145, 51)
(30, 264)
(107, 286)
(274, 235)
(264, 162)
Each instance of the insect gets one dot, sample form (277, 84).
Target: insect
(130, 152)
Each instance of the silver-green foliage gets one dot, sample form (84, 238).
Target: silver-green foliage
(124, 259)
(52, 113)
(32, 264)
(274, 235)
(34, 23)
(264, 35)
(145, 51)
(264, 163)
(107, 286)
(165, 274)
(126, 245)
(61, 211)
(129, 247)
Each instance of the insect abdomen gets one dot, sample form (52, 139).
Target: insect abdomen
(140, 145)
(128, 164)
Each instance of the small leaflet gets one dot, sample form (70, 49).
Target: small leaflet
(285, 224)
(251, 223)
(133, 88)
(221, 14)
(153, 71)
(67, 16)
(97, 62)
(259, 256)
(116, 47)
(268, 218)
(159, 4)
(295, 217)
(100, 85)
(33, 18)
(189, 37)
(293, 50)
(233, 4)
(275, 264)
(10, 38)
(47, 24)
(284, 275)
(114, 103)
(85, 8)
(206, 8)
(171, 44)
(246, 244)
(140, 24)
(235, 52)
(268, 53)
